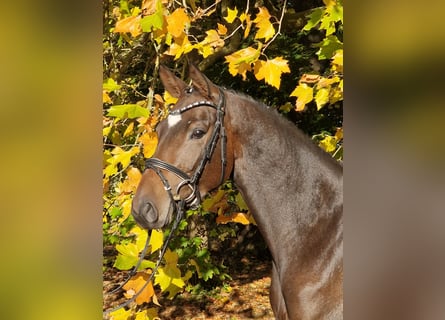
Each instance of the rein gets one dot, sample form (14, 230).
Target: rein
(194, 199)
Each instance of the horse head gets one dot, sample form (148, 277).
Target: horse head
(191, 157)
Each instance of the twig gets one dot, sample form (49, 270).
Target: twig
(279, 27)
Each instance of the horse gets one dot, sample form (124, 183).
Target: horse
(292, 187)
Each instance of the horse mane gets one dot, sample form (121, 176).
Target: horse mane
(282, 121)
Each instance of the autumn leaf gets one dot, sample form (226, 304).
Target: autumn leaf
(210, 43)
(322, 97)
(265, 27)
(135, 284)
(130, 24)
(110, 85)
(245, 18)
(153, 16)
(149, 142)
(241, 60)
(222, 29)
(121, 314)
(337, 61)
(177, 21)
(304, 94)
(156, 240)
(105, 97)
(237, 217)
(148, 314)
(231, 15)
(169, 277)
(329, 143)
(271, 70)
(129, 111)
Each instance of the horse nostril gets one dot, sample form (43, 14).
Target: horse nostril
(149, 212)
(144, 213)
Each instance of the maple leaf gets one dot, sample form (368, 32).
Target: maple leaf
(329, 143)
(148, 314)
(246, 18)
(153, 17)
(231, 15)
(241, 60)
(135, 284)
(265, 27)
(169, 277)
(130, 111)
(222, 30)
(322, 97)
(304, 95)
(177, 22)
(130, 24)
(211, 42)
(149, 142)
(237, 217)
(121, 314)
(271, 70)
(156, 240)
(105, 97)
(337, 61)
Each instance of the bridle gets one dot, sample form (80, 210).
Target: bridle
(155, 164)
(194, 199)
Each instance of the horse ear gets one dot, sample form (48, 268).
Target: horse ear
(202, 83)
(172, 83)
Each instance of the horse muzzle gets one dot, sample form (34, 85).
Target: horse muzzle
(146, 215)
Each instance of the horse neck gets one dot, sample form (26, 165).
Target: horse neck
(289, 184)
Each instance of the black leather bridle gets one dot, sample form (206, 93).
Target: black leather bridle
(155, 164)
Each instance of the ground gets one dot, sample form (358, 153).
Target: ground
(245, 297)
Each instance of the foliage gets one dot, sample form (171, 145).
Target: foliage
(246, 46)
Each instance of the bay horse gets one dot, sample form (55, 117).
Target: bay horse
(292, 187)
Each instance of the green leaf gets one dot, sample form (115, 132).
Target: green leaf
(110, 85)
(125, 262)
(129, 111)
(328, 47)
(314, 19)
(154, 21)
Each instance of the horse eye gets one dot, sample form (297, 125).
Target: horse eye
(197, 134)
(189, 90)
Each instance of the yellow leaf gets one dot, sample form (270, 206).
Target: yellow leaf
(304, 95)
(135, 284)
(337, 61)
(271, 70)
(181, 46)
(265, 27)
(241, 60)
(105, 97)
(169, 99)
(329, 143)
(237, 217)
(130, 24)
(222, 30)
(339, 134)
(149, 142)
(322, 97)
(156, 240)
(169, 277)
(129, 129)
(148, 314)
(231, 15)
(177, 22)
(141, 237)
(121, 314)
(210, 43)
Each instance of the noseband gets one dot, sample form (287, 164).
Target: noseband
(194, 199)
